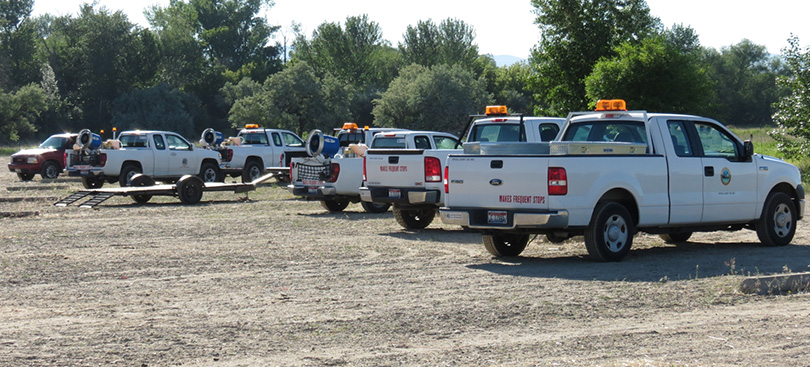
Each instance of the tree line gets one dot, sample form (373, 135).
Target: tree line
(211, 63)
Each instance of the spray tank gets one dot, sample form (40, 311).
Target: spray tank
(211, 138)
(319, 144)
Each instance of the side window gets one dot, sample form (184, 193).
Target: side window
(292, 140)
(579, 133)
(421, 142)
(159, 143)
(677, 132)
(277, 140)
(177, 143)
(446, 142)
(716, 143)
(548, 131)
(255, 138)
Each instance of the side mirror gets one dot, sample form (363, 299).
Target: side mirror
(748, 148)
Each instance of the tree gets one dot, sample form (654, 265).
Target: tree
(18, 112)
(295, 99)
(451, 42)
(792, 132)
(654, 75)
(19, 62)
(511, 89)
(575, 35)
(437, 98)
(156, 108)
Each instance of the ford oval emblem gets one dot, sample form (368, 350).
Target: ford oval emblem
(495, 182)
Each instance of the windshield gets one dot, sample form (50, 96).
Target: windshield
(619, 131)
(54, 142)
(497, 132)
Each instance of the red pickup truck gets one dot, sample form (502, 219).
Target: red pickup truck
(48, 159)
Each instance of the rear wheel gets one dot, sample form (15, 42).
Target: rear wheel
(190, 189)
(610, 233)
(209, 172)
(375, 207)
(414, 218)
(50, 170)
(252, 171)
(335, 205)
(92, 182)
(141, 180)
(678, 237)
(127, 171)
(25, 176)
(777, 224)
(505, 244)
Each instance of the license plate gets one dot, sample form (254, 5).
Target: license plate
(312, 190)
(82, 167)
(496, 217)
(394, 194)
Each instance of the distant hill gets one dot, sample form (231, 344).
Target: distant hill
(505, 60)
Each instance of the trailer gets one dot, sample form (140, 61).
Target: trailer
(189, 189)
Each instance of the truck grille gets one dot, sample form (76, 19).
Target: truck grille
(307, 172)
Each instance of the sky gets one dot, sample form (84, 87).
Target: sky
(506, 27)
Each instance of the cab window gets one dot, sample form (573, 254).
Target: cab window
(497, 132)
(159, 142)
(548, 132)
(254, 138)
(292, 140)
(277, 140)
(618, 131)
(446, 142)
(421, 142)
(133, 141)
(716, 143)
(680, 140)
(388, 142)
(177, 143)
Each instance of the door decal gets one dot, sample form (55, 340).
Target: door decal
(725, 176)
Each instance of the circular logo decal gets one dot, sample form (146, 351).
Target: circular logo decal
(185, 162)
(725, 176)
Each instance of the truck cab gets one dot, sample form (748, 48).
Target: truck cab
(255, 150)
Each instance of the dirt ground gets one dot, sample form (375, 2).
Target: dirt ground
(267, 280)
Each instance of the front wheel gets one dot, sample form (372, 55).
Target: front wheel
(375, 207)
(92, 182)
(50, 170)
(335, 205)
(508, 245)
(610, 233)
(25, 176)
(777, 224)
(414, 218)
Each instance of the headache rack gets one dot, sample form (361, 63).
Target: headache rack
(308, 172)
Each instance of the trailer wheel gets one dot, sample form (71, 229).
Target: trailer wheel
(25, 176)
(92, 182)
(209, 172)
(190, 189)
(414, 218)
(508, 245)
(777, 224)
(375, 207)
(679, 237)
(50, 170)
(335, 205)
(610, 233)
(252, 171)
(141, 180)
(127, 171)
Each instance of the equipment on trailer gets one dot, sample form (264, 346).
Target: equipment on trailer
(188, 189)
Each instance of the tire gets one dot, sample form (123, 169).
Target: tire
(141, 180)
(609, 235)
(777, 224)
(25, 176)
(92, 182)
(505, 245)
(335, 205)
(679, 237)
(374, 207)
(553, 238)
(209, 172)
(414, 218)
(127, 171)
(253, 170)
(50, 170)
(190, 189)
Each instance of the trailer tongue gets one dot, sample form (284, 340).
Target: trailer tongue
(188, 189)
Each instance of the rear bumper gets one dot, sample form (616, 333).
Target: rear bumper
(312, 192)
(403, 195)
(85, 172)
(478, 218)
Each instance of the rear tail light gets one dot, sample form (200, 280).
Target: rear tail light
(364, 169)
(433, 169)
(446, 179)
(281, 159)
(102, 159)
(334, 172)
(64, 160)
(557, 181)
(227, 155)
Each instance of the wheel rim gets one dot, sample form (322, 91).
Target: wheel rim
(782, 220)
(254, 173)
(129, 176)
(210, 175)
(615, 235)
(50, 171)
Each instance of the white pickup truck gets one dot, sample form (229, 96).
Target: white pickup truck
(162, 155)
(405, 169)
(254, 150)
(614, 173)
(411, 179)
(334, 179)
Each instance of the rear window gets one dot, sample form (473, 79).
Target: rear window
(386, 142)
(132, 141)
(620, 131)
(497, 132)
(254, 138)
(347, 138)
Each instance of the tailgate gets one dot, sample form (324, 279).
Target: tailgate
(497, 182)
(395, 168)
